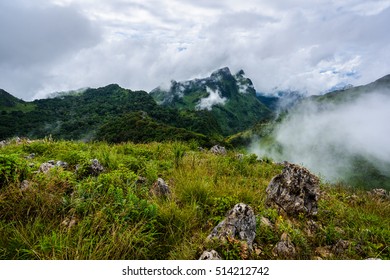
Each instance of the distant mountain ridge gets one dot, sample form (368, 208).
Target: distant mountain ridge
(351, 93)
(82, 115)
(218, 81)
(217, 106)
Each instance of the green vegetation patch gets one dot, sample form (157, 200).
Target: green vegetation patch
(114, 214)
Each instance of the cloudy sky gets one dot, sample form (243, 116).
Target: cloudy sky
(307, 45)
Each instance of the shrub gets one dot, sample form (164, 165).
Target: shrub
(12, 170)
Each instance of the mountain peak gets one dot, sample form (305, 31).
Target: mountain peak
(223, 72)
(231, 99)
(240, 73)
(8, 100)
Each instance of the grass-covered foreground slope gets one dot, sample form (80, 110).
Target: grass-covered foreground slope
(64, 214)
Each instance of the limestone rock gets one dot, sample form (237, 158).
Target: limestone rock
(240, 223)
(311, 228)
(218, 150)
(24, 185)
(381, 193)
(46, 166)
(295, 191)
(30, 156)
(340, 247)
(284, 248)
(210, 255)
(96, 168)
(160, 188)
(62, 164)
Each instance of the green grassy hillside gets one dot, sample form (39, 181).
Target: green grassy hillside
(68, 214)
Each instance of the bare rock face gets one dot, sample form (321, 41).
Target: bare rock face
(218, 150)
(210, 255)
(240, 223)
(284, 248)
(295, 191)
(160, 188)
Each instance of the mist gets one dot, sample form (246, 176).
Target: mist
(214, 98)
(328, 138)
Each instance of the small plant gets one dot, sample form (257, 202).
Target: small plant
(233, 249)
(12, 170)
(220, 206)
(178, 152)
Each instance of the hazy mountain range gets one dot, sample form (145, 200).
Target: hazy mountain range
(341, 132)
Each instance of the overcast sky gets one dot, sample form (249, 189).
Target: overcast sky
(307, 45)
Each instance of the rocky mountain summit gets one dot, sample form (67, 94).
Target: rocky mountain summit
(231, 99)
(209, 88)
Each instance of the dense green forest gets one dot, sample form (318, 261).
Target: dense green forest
(81, 116)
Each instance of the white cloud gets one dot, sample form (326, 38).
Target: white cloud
(214, 98)
(304, 45)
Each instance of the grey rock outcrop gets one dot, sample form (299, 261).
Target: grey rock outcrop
(341, 246)
(210, 255)
(30, 156)
(295, 191)
(96, 168)
(381, 193)
(160, 188)
(62, 164)
(284, 248)
(240, 223)
(218, 150)
(46, 166)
